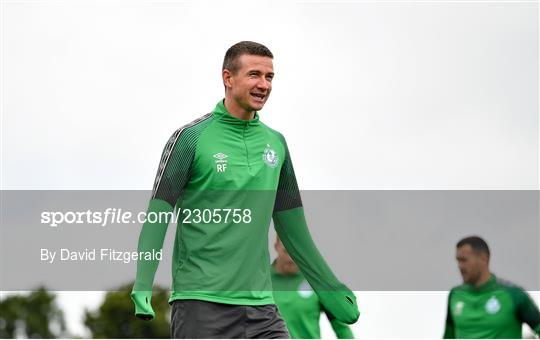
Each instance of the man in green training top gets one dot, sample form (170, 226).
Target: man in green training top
(485, 306)
(228, 174)
(299, 306)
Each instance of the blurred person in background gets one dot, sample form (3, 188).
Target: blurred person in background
(297, 303)
(485, 306)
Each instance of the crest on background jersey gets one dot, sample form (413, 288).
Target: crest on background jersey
(305, 290)
(459, 307)
(492, 305)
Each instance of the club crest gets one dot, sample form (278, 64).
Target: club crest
(270, 157)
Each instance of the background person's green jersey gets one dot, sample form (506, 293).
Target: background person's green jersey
(495, 310)
(229, 177)
(301, 309)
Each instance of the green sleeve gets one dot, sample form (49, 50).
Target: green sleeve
(150, 238)
(342, 330)
(526, 309)
(449, 329)
(172, 175)
(290, 224)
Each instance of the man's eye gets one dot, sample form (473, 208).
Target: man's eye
(269, 79)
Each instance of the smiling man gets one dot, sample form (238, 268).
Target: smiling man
(229, 175)
(484, 306)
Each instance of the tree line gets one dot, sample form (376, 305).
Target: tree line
(38, 315)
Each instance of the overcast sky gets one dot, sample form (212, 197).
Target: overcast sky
(370, 95)
(390, 95)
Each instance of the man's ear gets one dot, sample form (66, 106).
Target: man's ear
(227, 75)
(485, 258)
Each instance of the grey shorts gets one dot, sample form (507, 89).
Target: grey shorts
(198, 319)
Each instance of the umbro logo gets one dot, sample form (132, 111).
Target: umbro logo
(221, 161)
(220, 156)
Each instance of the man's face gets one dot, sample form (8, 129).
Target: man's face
(471, 263)
(251, 85)
(284, 256)
(281, 251)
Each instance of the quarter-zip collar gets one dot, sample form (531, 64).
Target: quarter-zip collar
(488, 285)
(221, 113)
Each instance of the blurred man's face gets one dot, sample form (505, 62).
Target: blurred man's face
(471, 263)
(251, 85)
(285, 259)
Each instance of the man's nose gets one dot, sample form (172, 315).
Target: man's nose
(263, 84)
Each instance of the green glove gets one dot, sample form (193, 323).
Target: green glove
(143, 304)
(342, 330)
(340, 304)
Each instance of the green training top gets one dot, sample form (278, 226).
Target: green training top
(497, 309)
(228, 178)
(301, 309)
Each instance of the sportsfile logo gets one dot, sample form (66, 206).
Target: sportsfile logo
(221, 161)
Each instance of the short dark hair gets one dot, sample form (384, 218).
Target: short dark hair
(477, 244)
(233, 54)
